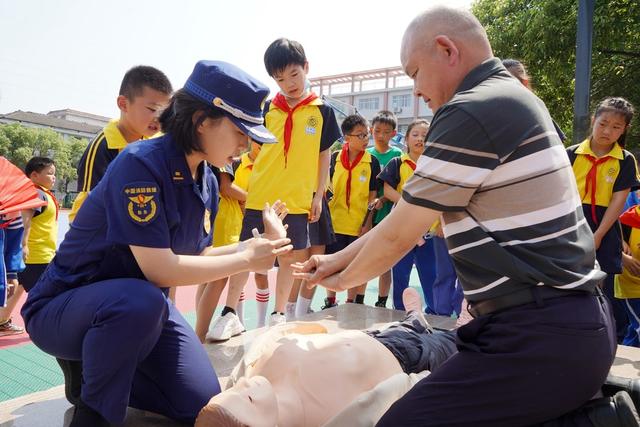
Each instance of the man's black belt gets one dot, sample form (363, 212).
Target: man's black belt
(520, 297)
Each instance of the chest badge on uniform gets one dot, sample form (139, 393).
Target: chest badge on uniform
(142, 207)
(310, 128)
(207, 221)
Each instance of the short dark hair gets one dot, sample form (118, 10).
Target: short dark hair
(350, 122)
(138, 77)
(177, 119)
(36, 164)
(620, 106)
(282, 53)
(385, 117)
(516, 68)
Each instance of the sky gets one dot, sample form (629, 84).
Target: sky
(73, 53)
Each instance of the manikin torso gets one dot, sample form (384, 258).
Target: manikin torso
(315, 376)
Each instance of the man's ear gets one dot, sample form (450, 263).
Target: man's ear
(447, 47)
(306, 67)
(123, 103)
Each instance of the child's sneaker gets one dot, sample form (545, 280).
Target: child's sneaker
(277, 319)
(328, 304)
(225, 327)
(8, 328)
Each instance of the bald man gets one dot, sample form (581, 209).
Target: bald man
(540, 344)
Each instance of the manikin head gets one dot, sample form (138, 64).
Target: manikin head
(251, 402)
(439, 48)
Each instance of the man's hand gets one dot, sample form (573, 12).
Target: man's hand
(316, 208)
(272, 217)
(631, 264)
(318, 267)
(25, 253)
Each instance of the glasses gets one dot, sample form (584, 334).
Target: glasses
(360, 136)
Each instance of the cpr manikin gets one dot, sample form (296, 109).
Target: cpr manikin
(298, 375)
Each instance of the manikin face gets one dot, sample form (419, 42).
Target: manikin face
(252, 401)
(291, 80)
(358, 138)
(45, 178)
(221, 141)
(607, 128)
(416, 138)
(142, 112)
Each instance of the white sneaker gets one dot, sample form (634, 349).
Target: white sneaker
(277, 319)
(225, 327)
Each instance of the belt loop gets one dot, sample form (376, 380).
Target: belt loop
(536, 295)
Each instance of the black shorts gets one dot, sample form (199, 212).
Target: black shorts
(298, 230)
(31, 274)
(321, 232)
(342, 241)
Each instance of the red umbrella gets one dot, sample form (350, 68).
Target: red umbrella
(17, 192)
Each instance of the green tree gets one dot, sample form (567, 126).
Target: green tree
(542, 34)
(19, 143)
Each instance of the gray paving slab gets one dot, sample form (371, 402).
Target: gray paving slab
(50, 409)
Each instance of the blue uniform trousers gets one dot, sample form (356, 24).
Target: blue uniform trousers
(519, 367)
(447, 292)
(618, 307)
(136, 349)
(632, 338)
(424, 259)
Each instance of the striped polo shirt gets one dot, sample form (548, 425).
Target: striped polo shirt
(496, 168)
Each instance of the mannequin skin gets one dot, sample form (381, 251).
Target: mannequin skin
(285, 384)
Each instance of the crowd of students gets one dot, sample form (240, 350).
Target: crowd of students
(333, 198)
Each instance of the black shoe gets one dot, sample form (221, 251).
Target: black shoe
(614, 411)
(382, 304)
(84, 416)
(327, 304)
(615, 384)
(72, 370)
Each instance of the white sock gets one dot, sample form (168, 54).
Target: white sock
(262, 301)
(240, 308)
(302, 306)
(290, 310)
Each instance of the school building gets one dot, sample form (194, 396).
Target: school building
(368, 92)
(68, 123)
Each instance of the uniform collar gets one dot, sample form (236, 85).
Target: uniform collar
(115, 139)
(180, 173)
(405, 156)
(585, 148)
(480, 73)
(245, 161)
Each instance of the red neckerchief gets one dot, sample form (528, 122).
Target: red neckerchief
(280, 102)
(592, 182)
(631, 217)
(55, 201)
(344, 159)
(411, 164)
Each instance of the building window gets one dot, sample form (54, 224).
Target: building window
(368, 103)
(400, 101)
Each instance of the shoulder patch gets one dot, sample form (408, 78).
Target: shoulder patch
(141, 201)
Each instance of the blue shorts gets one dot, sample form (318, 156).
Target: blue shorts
(342, 241)
(298, 230)
(321, 232)
(13, 251)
